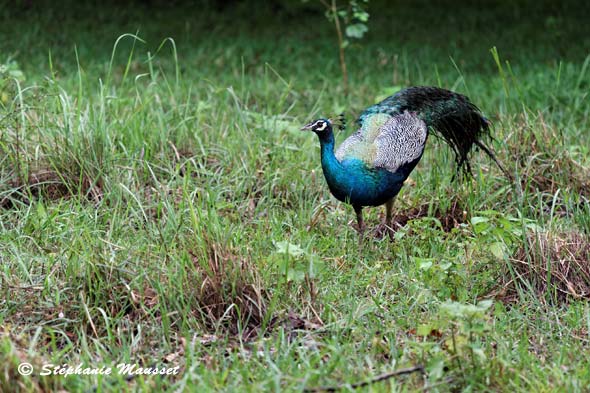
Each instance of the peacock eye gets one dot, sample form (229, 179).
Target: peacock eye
(320, 126)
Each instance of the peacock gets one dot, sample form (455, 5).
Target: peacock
(370, 166)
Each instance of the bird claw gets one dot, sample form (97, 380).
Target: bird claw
(360, 229)
(383, 229)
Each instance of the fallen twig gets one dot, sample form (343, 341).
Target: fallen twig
(379, 378)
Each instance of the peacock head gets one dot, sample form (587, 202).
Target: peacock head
(319, 126)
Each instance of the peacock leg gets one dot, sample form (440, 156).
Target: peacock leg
(389, 216)
(361, 225)
(359, 220)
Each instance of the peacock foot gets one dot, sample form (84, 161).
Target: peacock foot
(359, 229)
(383, 229)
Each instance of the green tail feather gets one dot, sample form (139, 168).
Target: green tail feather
(450, 115)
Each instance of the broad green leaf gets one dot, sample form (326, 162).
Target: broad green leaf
(423, 263)
(362, 16)
(478, 351)
(480, 224)
(497, 249)
(445, 266)
(478, 220)
(356, 30)
(435, 368)
(285, 247)
(424, 330)
(460, 310)
(296, 275)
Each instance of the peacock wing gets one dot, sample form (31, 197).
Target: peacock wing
(349, 147)
(360, 145)
(401, 141)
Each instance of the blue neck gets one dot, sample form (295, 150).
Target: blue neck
(330, 164)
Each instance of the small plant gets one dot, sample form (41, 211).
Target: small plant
(354, 19)
(292, 262)
(460, 330)
(468, 324)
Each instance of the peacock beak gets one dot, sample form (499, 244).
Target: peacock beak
(307, 126)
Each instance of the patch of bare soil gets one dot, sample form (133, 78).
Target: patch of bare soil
(46, 184)
(449, 219)
(229, 292)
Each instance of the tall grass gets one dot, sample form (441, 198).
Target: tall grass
(158, 205)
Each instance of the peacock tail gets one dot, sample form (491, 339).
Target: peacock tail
(449, 115)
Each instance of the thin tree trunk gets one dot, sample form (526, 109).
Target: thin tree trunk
(340, 47)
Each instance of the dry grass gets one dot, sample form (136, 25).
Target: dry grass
(47, 184)
(554, 265)
(542, 162)
(13, 351)
(229, 292)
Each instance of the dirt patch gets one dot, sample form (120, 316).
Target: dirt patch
(556, 266)
(47, 184)
(449, 219)
(228, 291)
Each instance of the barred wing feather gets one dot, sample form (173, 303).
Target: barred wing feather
(386, 142)
(401, 141)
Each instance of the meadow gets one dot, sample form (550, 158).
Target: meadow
(159, 205)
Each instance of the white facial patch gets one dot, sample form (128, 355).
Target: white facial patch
(322, 127)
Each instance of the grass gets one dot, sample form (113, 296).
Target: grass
(159, 206)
